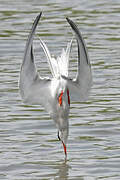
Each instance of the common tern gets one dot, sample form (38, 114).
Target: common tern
(57, 93)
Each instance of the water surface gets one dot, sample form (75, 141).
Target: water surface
(29, 148)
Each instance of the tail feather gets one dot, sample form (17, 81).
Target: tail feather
(52, 62)
(63, 60)
(60, 65)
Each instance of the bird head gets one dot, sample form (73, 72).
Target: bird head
(63, 138)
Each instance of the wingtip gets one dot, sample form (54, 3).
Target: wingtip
(72, 24)
(40, 14)
(68, 20)
(36, 20)
(38, 17)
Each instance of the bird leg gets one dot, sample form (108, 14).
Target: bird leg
(60, 98)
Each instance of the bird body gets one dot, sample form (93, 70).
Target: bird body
(56, 93)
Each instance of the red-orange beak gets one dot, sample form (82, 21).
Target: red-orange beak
(65, 149)
(64, 146)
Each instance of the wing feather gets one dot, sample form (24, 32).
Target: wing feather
(80, 86)
(33, 89)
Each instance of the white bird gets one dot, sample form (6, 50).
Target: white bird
(56, 93)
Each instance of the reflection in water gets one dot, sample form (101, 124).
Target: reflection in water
(63, 171)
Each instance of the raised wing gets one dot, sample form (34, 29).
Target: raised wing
(33, 89)
(80, 86)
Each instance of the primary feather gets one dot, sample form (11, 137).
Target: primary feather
(80, 86)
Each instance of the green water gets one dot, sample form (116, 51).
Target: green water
(29, 148)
